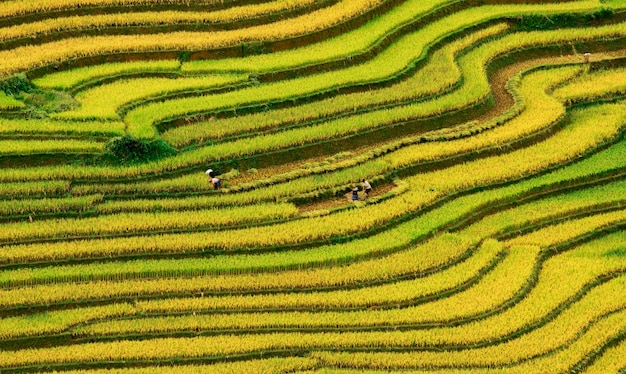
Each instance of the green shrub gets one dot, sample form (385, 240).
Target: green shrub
(555, 21)
(50, 101)
(14, 85)
(128, 150)
(184, 56)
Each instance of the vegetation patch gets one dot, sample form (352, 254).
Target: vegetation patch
(284, 186)
(556, 21)
(126, 150)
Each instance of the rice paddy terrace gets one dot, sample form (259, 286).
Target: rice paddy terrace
(491, 131)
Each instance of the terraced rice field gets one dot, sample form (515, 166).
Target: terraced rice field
(491, 131)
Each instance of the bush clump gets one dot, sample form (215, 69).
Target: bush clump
(126, 150)
(50, 101)
(556, 21)
(15, 85)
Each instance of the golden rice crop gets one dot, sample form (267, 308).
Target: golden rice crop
(13, 8)
(424, 189)
(59, 321)
(531, 212)
(396, 292)
(528, 122)
(587, 128)
(267, 366)
(34, 188)
(423, 284)
(142, 222)
(597, 297)
(561, 277)
(187, 182)
(551, 207)
(103, 102)
(54, 127)
(592, 86)
(552, 235)
(60, 24)
(611, 360)
(9, 102)
(23, 147)
(352, 43)
(71, 78)
(323, 300)
(291, 232)
(532, 358)
(440, 73)
(385, 242)
(402, 291)
(29, 57)
(309, 278)
(55, 172)
(168, 348)
(476, 332)
(516, 268)
(448, 248)
(540, 112)
(388, 63)
(49, 205)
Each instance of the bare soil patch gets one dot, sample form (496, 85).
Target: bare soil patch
(341, 201)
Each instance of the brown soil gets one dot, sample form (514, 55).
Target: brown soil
(340, 201)
(497, 81)
(502, 102)
(267, 172)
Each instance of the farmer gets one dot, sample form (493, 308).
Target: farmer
(210, 174)
(367, 187)
(355, 192)
(216, 182)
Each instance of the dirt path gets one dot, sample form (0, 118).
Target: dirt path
(502, 102)
(339, 201)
